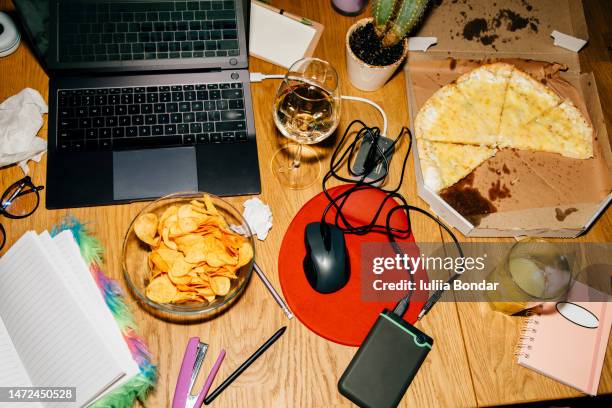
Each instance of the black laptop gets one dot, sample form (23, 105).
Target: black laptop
(146, 98)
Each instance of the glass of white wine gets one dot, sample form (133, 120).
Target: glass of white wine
(534, 271)
(306, 111)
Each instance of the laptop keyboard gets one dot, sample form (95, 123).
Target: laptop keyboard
(127, 31)
(150, 116)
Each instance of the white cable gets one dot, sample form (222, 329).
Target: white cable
(258, 76)
(374, 104)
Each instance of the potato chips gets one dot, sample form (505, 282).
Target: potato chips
(194, 255)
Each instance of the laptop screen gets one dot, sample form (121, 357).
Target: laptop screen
(135, 35)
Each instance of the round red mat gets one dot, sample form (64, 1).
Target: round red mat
(343, 317)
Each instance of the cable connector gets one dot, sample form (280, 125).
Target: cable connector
(258, 76)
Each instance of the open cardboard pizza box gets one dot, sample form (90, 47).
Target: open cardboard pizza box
(534, 193)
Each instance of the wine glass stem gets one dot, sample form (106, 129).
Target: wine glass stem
(298, 157)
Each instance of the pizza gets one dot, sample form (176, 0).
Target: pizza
(448, 116)
(562, 129)
(525, 100)
(485, 88)
(491, 107)
(444, 164)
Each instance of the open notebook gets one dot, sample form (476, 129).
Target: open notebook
(569, 341)
(55, 328)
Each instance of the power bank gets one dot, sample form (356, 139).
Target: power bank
(385, 364)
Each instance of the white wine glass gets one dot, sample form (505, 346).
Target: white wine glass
(306, 111)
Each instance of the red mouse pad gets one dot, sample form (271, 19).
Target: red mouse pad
(344, 317)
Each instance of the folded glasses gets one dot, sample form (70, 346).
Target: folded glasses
(20, 200)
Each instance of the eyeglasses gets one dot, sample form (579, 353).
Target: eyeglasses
(20, 200)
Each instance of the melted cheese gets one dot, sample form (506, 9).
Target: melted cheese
(496, 105)
(444, 164)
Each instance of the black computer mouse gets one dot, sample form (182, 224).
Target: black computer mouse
(326, 262)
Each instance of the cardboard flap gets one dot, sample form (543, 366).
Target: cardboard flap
(505, 28)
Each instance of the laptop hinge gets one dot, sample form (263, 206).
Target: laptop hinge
(110, 73)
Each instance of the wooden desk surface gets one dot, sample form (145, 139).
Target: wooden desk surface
(472, 363)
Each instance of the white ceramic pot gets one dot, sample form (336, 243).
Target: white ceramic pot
(365, 76)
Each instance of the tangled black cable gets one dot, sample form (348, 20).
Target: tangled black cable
(375, 158)
(339, 156)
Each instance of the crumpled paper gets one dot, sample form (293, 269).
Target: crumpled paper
(258, 216)
(20, 121)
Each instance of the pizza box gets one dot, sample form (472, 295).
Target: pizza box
(534, 193)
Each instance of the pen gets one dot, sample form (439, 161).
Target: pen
(244, 365)
(273, 291)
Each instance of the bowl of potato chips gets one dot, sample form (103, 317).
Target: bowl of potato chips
(188, 254)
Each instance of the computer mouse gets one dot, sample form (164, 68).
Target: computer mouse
(326, 263)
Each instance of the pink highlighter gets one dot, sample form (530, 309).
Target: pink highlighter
(190, 368)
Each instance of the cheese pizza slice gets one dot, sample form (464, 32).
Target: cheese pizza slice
(448, 116)
(525, 100)
(444, 164)
(485, 88)
(562, 129)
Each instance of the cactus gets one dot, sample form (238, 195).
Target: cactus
(395, 19)
(382, 11)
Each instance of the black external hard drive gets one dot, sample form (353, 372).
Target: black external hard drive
(385, 364)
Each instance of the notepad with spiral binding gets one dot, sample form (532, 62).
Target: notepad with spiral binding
(568, 342)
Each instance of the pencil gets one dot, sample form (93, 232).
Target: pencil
(244, 366)
(272, 291)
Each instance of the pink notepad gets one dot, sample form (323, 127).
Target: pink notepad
(568, 341)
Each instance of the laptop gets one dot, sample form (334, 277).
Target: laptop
(146, 98)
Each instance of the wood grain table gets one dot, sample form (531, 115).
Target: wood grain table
(472, 363)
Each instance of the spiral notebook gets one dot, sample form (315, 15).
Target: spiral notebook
(568, 342)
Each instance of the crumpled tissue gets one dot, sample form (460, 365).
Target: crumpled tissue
(258, 216)
(20, 121)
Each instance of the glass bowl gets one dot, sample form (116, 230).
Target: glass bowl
(136, 267)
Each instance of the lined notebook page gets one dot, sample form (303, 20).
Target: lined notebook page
(12, 372)
(79, 276)
(56, 342)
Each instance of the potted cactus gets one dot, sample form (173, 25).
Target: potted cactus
(377, 45)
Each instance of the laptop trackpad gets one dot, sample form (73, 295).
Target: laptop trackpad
(152, 173)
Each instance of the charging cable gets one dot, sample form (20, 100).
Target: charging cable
(258, 77)
(372, 103)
